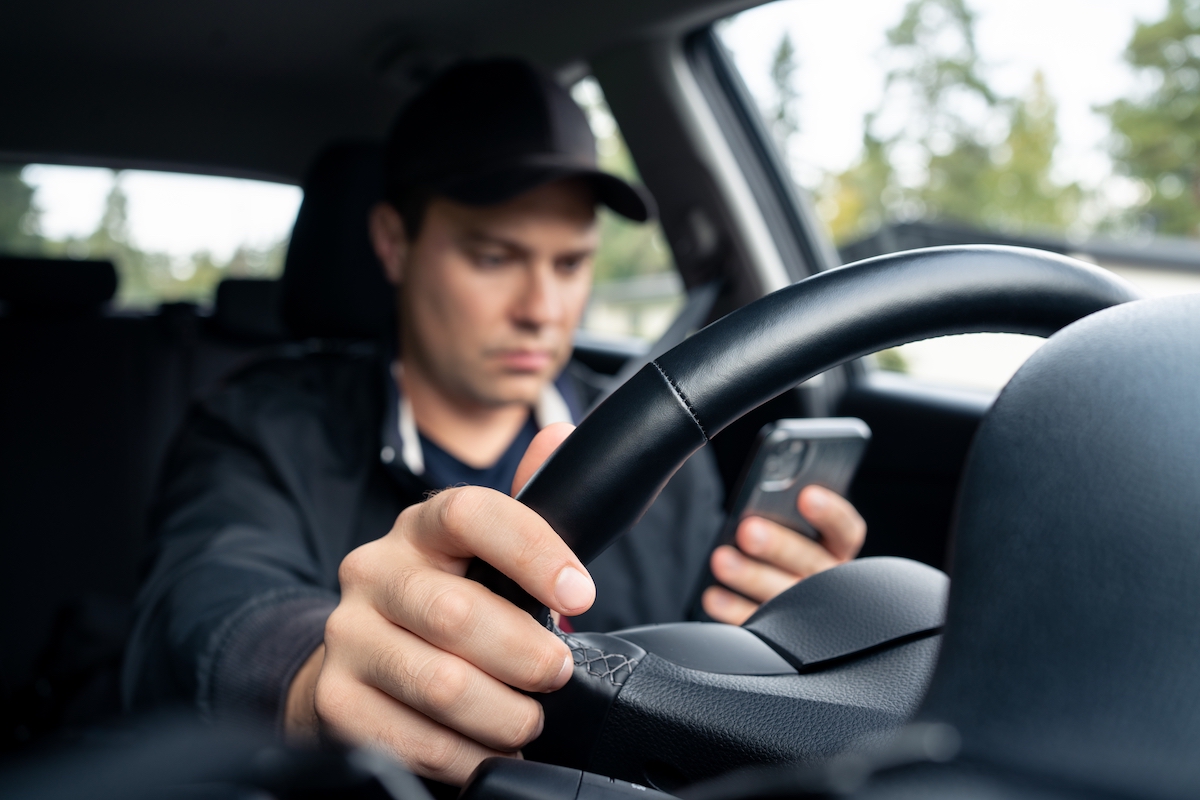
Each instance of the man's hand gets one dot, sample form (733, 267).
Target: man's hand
(770, 558)
(423, 663)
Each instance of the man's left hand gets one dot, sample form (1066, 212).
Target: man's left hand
(770, 558)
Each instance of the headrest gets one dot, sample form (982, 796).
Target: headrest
(1071, 640)
(333, 285)
(248, 309)
(40, 286)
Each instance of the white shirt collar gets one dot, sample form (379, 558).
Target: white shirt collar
(550, 408)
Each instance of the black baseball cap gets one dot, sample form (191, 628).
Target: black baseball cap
(484, 131)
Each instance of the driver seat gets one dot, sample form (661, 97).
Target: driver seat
(1070, 662)
(332, 286)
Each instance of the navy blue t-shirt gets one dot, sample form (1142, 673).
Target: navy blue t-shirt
(443, 470)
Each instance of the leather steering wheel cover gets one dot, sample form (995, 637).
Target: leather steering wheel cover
(607, 473)
(745, 359)
(604, 476)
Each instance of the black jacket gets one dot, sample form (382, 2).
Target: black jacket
(276, 478)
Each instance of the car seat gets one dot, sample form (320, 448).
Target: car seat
(333, 286)
(88, 401)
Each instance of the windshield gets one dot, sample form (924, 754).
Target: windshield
(1070, 125)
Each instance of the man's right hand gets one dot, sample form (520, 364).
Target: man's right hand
(424, 663)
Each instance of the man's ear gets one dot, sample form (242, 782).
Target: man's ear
(390, 240)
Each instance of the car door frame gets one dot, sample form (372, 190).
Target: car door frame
(703, 148)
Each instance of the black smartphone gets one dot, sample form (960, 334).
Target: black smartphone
(789, 455)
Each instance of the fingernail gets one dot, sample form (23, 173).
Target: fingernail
(564, 674)
(541, 727)
(816, 500)
(733, 561)
(754, 537)
(573, 590)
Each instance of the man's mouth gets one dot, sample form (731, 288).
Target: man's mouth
(525, 360)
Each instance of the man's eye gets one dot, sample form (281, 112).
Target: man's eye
(574, 264)
(491, 259)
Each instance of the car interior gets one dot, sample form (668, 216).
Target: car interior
(1058, 658)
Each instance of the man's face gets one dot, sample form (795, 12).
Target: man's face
(489, 297)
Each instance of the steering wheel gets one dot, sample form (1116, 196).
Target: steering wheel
(841, 656)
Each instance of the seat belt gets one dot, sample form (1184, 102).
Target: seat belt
(695, 311)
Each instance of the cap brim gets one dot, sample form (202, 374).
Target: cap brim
(500, 184)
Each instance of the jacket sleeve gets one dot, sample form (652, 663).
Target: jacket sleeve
(237, 596)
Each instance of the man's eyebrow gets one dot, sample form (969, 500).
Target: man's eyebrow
(580, 252)
(483, 237)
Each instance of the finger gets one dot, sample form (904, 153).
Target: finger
(725, 606)
(462, 617)
(474, 521)
(754, 579)
(545, 443)
(783, 548)
(446, 688)
(842, 529)
(361, 715)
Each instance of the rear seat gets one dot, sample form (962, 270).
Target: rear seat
(89, 400)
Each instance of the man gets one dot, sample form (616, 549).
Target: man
(272, 593)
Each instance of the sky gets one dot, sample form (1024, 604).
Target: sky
(1076, 43)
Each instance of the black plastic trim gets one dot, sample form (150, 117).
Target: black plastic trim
(709, 647)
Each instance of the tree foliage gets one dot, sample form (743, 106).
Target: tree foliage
(18, 214)
(1019, 188)
(145, 278)
(944, 145)
(627, 249)
(1156, 134)
(784, 115)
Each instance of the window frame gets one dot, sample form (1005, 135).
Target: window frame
(804, 247)
(799, 238)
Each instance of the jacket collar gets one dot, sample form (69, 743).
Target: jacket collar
(402, 442)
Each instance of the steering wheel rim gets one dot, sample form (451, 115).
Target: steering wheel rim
(631, 444)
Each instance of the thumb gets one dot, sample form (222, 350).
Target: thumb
(545, 443)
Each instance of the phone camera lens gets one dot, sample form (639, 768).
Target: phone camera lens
(782, 465)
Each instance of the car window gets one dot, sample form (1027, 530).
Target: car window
(172, 237)
(638, 291)
(1063, 124)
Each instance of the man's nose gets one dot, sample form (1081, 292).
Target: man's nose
(541, 301)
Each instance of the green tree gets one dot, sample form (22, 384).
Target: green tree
(136, 284)
(145, 278)
(1020, 192)
(938, 72)
(784, 115)
(923, 151)
(19, 215)
(1156, 134)
(852, 202)
(929, 153)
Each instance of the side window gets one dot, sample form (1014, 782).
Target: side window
(172, 237)
(916, 123)
(637, 291)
